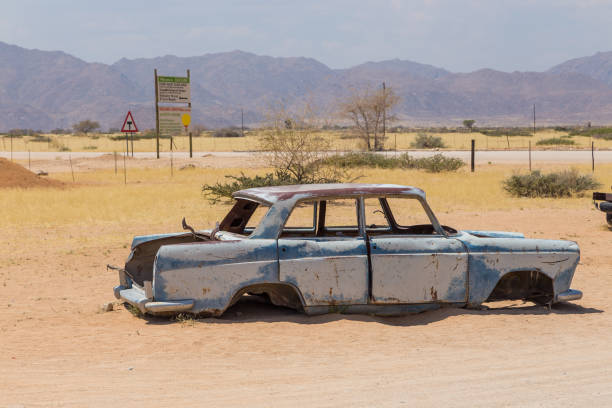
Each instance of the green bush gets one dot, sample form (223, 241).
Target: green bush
(227, 133)
(594, 132)
(561, 184)
(424, 141)
(499, 132)
(365, 159)
(555, 141)
(434, 164)
(223, 191)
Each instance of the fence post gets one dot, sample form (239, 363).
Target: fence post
(190, 146)
(530, 156)
(473, 148)
(593, 157)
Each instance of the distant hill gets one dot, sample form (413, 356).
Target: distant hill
(598, 66)
(49, 89)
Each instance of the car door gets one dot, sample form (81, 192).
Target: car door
(323, 254)
(411, 262)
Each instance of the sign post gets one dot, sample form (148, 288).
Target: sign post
(171, 90)
(129, 126)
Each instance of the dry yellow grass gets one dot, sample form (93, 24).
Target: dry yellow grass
(152, 197)
(205, 143)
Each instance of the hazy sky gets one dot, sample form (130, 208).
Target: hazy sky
(454, 34)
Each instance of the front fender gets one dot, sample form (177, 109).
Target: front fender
(491, 258)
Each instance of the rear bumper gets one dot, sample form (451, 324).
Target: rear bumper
(570, 294)
(136, 297)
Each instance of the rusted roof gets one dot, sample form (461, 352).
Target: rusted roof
(281, 193)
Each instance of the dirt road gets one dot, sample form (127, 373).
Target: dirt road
(59, 350)
(482, 156)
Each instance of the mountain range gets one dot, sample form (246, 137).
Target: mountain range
(52, 89)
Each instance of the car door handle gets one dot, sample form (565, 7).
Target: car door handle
(283, 249)
(373, 246)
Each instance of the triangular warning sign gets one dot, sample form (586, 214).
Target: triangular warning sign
(129, 126)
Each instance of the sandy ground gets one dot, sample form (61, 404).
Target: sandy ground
(58, 349)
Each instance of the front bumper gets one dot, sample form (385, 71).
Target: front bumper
(136, 297)
(568, 295)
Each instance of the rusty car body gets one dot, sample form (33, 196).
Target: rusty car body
(603, 202)
(350, 252)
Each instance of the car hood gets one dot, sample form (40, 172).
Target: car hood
(494, 234)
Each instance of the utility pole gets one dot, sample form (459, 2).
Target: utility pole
(156, 114)
(384, 113)
(534, 120)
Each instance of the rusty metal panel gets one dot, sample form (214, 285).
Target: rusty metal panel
(409, 269)
(492, 258)
(211, 273)
(326, 270)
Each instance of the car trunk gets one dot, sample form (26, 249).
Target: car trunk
(139, 266)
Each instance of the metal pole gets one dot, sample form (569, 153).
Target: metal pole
(127, 146)
(190, 146)
(384, 113)
(189, 104)
(71, 170)
(473, 155)
(171, 158)
(534, 122)
(593, 157)
(124, 171)
(156, 114)
(530, 156)
(241, 122)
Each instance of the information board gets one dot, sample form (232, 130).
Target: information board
(173, 89)
(171, 120)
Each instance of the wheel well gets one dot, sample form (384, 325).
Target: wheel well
(279, 294)
(528, 285)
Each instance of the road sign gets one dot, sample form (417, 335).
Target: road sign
(173, 89)
(129, 126)
(186, 119)
(171, 120)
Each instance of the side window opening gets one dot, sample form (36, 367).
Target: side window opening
(244, 217)
(301, 221)
(325, 218)
(339, 218)
(375, 216)
(397, 215)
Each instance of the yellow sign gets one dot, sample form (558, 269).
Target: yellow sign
(186, 119)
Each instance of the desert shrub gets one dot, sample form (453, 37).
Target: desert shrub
(561, 184)
(433, 164)
(295, 152)
(40, 138)
(499, 132)
(604, 136)
(594, 132)
(227, 133)
(91, 147)
(223, 190)
(424, 141)
(555, 141)
(365, 159)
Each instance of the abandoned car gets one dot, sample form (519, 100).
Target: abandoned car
(604, 205)
(349, 248)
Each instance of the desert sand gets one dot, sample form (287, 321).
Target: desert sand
(59, 348)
